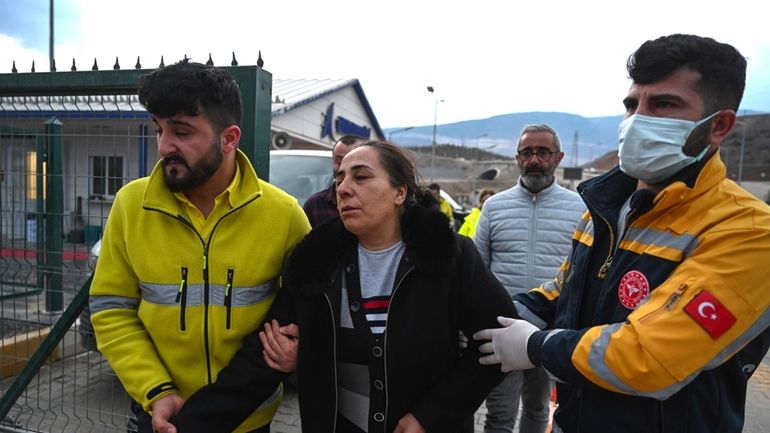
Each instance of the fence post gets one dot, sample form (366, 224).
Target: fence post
(54, 215)
(256, 87)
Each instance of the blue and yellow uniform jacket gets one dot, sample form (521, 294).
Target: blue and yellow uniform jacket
(169, 307)
(658, 326)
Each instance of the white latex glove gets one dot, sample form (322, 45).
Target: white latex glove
(508, 345)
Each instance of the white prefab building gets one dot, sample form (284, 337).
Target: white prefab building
(311, 114)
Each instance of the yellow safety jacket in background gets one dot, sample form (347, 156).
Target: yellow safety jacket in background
(469, 223)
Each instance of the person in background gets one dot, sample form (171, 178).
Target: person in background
(661, 313)
(469, 223)
(444, 205)
(523, 235)
(322, 205)
(191, 255)
(379, 296)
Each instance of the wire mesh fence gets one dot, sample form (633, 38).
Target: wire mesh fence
(57, 182)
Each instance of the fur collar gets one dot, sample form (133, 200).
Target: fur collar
(430, 246)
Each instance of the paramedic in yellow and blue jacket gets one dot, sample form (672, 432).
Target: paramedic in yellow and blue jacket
(191, 255)
(661, 312)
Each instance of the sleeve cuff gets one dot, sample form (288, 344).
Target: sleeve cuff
(534, 346)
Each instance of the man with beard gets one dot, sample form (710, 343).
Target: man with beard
(191, 255)
(661, 313)
(523, 235)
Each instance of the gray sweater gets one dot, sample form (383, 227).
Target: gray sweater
(523, 237)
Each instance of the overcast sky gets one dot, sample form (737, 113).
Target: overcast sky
(483, 58)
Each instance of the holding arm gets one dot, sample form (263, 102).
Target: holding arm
(641, 356)
(462, 389)
(248, 379)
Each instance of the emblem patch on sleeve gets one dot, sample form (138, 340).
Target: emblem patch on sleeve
(632, 289)
(710, 314)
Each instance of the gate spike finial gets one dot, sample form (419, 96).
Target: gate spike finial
(33, 66)
(260, 62)
(95, 67)
(234, 62)
(13, 69)
(162, 65)
(138, 64)
(53, 65)
(116, 66)
(209, 62)
(73, 68)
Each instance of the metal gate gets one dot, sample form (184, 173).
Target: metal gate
(68, 142)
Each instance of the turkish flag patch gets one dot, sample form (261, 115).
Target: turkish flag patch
(710, 314)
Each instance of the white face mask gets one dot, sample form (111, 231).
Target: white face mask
(651, 147)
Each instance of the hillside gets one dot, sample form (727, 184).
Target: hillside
(594, 136)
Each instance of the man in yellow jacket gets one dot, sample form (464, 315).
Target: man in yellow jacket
(191, 255)
(469, 223)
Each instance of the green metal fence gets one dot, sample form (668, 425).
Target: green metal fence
(68, 141)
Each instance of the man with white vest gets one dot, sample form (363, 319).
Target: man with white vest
(523, 235)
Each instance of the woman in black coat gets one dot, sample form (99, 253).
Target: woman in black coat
(380, 296)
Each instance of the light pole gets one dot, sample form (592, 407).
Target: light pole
(433, 142)
(478, 149)
(390, 134)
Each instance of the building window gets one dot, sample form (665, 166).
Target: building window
(106, 175)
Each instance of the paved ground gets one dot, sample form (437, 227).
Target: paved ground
(757, 407)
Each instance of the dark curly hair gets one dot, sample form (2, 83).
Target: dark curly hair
(722, 68)
(193, 89)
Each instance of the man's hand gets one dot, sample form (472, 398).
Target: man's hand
(409, 424)
(508, 346)
(162, 410)
(280, 346)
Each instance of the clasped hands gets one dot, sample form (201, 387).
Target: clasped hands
(506, 346)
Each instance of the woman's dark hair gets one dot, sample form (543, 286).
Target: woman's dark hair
(722, 68)
(192, 89)
(398, 165)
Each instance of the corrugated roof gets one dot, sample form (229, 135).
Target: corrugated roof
(288, 95)
(294, 93)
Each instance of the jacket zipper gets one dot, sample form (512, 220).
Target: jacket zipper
(531, 243)
(181, 299)
(668, 306)
(229, 295)
(206, 309)
(613, 247)
(385, 343)
(334, 356)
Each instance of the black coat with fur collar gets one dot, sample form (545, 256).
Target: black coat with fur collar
(444, 288)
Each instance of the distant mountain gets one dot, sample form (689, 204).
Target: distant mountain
(594, 136)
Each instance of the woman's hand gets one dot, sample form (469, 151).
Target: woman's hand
(409, 424)
(280, 346)
(162, 410)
